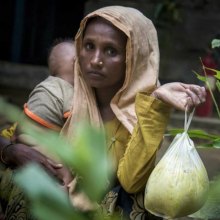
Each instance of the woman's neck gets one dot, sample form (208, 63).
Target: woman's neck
(103, 98)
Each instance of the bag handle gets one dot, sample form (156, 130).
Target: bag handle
(188, 121)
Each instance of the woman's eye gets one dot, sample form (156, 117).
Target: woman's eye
(111, 51)
(89, 46)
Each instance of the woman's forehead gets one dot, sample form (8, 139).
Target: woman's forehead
(102, 27)
(97, 20)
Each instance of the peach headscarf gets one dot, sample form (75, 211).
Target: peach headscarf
(142, 66)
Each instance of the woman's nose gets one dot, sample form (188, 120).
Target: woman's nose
(97, 59)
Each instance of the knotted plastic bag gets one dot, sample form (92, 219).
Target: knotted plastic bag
(178, 185)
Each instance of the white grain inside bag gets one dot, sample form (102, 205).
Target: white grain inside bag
(178, 185)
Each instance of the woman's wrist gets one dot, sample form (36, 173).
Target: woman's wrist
(155, 94)
(3, 152)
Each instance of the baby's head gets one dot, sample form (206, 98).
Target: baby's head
(61, 60)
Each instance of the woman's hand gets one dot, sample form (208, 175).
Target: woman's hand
(18, 155)
(180, 95)
(66, 176)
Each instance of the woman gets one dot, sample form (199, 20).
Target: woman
(117, 66)
(116, 88)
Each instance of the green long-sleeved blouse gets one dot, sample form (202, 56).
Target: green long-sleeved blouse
(134, 155)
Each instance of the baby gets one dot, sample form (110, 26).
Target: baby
(61, 60)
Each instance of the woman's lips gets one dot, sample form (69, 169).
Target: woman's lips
(94, 74)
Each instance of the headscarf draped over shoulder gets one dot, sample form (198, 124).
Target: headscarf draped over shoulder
(142, 66)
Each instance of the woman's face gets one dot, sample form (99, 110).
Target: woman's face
(103, 54)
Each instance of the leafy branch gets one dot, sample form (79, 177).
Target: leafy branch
(86, 155)
(207, 83)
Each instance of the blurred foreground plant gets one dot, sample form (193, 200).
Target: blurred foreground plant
(86, 156)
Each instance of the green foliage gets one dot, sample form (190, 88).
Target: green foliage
(200, 77)
(167, 13)
(206, 81)
(87, 156)
(217, 72)
(196, 133)
(211, 140)
(215, 43)
(218, 86)
(48, 200)
(214, 139)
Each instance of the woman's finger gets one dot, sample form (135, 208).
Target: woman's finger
(199, 91)
(54, 164)
(53, 172)
(195, 99)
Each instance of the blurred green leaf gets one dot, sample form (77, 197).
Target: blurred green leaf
(90, 149)
(195, 134)
(167, 13)
(217, 72)
(48, 200)
(158, 10)
(11, 112)
(217, 76)
(218, 85)
(200, 77)
(87, 156)
(216, 143)
(215, 43)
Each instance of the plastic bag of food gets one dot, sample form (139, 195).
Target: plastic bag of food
(178, 185)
